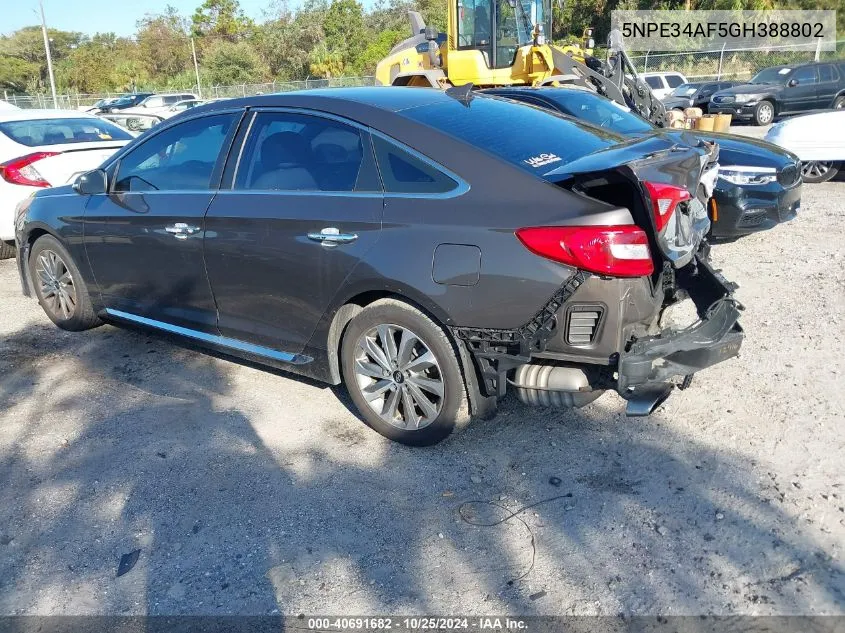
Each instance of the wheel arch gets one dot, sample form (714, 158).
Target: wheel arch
(353, 304)
(35, 233)
(479, 404)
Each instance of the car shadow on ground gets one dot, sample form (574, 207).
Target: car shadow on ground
(115, 441)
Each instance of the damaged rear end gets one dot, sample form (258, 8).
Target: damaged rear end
(607, 328)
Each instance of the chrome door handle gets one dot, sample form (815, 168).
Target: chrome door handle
(332, 237)
(181, 231)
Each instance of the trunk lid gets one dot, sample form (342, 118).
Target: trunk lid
(673, 159)
(71, 160)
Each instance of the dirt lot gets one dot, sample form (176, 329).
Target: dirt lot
(248, 491)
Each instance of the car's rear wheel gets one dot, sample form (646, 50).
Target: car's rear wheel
(402, 373)
(7, 250)
(816, 171)
(59, 286)
(839, 102)
(764, 113)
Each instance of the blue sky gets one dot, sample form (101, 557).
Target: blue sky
(91, 16)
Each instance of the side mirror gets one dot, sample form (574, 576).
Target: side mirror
(792, 83)
(91, 183)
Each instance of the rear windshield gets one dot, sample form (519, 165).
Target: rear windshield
(36, 132)
(590, 107)
(528, 137)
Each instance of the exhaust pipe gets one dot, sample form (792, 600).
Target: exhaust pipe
(553, 386)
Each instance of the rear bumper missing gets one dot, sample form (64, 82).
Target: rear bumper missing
(716, 337)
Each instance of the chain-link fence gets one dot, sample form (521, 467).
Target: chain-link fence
(694, 65)
(83, 101)
(735, 63)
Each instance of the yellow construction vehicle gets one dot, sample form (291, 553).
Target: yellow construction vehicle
(502, 43)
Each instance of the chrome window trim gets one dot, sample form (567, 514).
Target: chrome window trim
(302, 192)
(462, 186)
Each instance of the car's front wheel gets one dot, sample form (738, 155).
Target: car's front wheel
(764, 113)
(816, 171)
(59, 286)
(402, 373)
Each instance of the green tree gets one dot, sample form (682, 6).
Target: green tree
(221, 19)
(233, 63)
(164, 46)
(23, 61)
(377, 49)
(343, 26)
(325, 63)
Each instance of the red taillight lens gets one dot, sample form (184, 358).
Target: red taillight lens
(617, 251)
(21, 171)
(664, 201)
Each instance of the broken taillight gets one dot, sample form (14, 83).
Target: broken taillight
(617, 251)
(664, 201)
(21, 171)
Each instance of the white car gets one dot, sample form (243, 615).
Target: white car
(818, 140)
(47, 148)
(5, 105)
(663, 83)
(181, 106)
(160, 104)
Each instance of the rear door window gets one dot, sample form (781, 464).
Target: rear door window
(181, 158)
(62, 131)
(154, 102)
(674, 80)
(296, 152)
(402, 172)
(827, 72)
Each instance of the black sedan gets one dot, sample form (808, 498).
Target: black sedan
(126, 101)
(427, 251)
(759, 183)
(694, 95)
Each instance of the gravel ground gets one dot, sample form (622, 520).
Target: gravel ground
(248, 491)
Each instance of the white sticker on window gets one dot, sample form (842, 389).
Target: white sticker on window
(784, 71)
(542, 159)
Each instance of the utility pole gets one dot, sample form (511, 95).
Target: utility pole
(49, 57)
(196, 68)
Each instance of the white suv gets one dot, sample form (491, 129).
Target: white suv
(663, 83)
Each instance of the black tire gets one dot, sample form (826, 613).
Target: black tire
(401, 318)
(816, 171)
(75, 316)
(764, 113)
(839, 102)
(7, 250)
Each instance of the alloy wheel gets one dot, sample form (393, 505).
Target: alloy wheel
(55, 285)
(815, 169)
(399, 376)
